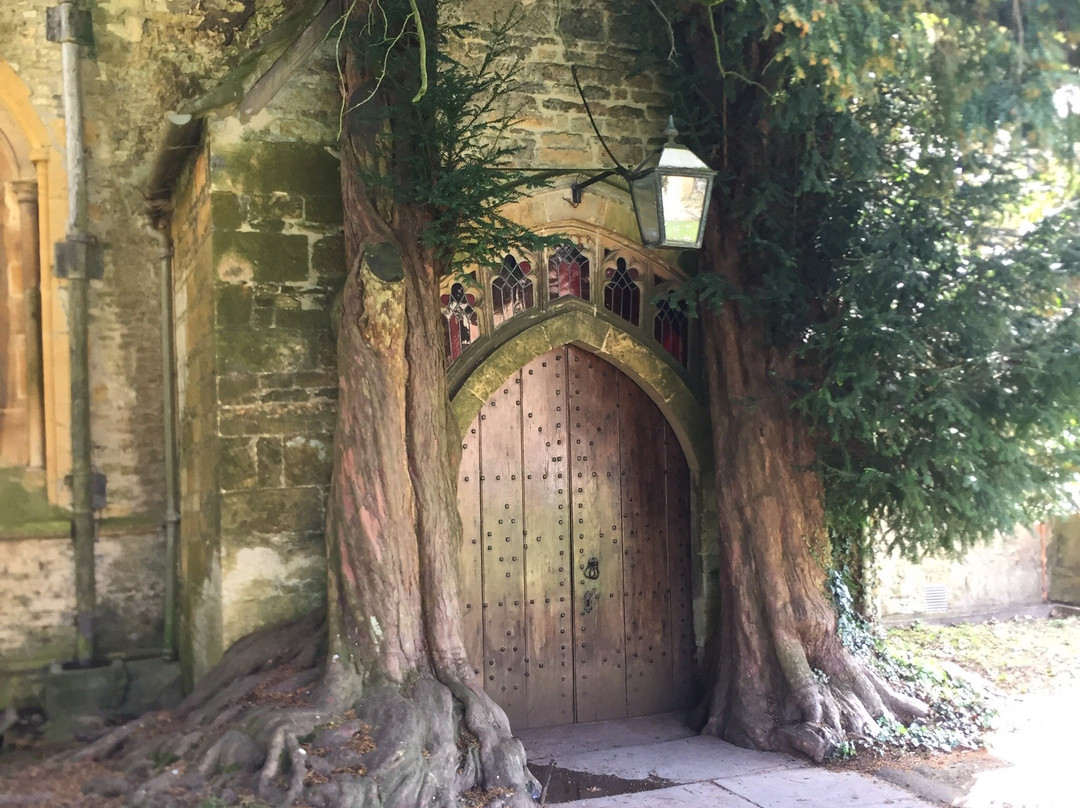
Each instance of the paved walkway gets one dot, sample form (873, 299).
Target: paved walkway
(705, 772)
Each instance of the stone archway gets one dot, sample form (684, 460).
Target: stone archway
(35, 188)
(597, 296)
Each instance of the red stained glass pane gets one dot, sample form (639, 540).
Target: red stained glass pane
(671, 328)
(622, 295)
(461, 325)
(511, 290)
(568, 273)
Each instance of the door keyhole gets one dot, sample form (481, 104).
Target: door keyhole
(590, 597)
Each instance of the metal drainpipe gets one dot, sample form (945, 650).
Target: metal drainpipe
(82, 523)
(158, 227)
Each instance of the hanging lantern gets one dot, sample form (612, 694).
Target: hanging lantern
(671, 198)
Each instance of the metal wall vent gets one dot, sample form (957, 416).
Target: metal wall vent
(935, 599)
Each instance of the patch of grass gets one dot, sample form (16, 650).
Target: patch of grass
(1016, 656)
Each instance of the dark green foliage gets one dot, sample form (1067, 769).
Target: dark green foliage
(446, 143)
(895, 175)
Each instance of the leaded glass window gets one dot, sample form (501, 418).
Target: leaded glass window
(568, 273)
(461, 326)
(671, 328)
(622, 295)
(511, 290)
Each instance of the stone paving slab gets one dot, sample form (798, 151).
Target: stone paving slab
(693, 795)
(686, 760)
(563, 743)
(706, 772)
(811, 787)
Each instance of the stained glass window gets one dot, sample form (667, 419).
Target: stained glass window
(460, 323)
(622, 295)
(671, 328)
(568, 273)
(511, 291)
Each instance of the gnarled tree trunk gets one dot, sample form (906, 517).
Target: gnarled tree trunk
(397, 655)
(782, 679)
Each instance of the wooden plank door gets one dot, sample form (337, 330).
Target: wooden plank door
(600, 674)
(470, 559)
(501, 516)
(680, 571)
(647, 585)
(575, 568)
(549, 661)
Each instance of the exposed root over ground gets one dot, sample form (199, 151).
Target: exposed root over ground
(840, 700)
(258, 731)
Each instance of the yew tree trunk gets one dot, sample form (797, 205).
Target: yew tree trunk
(781, 679)
(397, 657)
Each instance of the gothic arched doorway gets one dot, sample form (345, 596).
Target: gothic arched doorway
(575, 569)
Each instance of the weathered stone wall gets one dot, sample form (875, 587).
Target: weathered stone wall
(277, 264)
(147, 56)
(1003, 574)
(37, 590)
(259, 258)
(553, 130)
(1064, 559)
(193, 313)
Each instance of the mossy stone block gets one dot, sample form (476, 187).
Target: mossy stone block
(270, 460)
(328, 257)
(233, 304)
(272, 510)
(237, 389)
(274, 257)
(324, 209)
(297, 169)
(226, 211)
(272, 211)
(587, 25)
(309, 319)
(246, 350)
(308, 461)
(238, 466)
(300, 418)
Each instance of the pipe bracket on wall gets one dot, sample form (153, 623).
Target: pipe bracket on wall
(75, 26)
(75, 253)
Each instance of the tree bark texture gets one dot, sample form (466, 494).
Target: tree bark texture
(397, 654)
(782, 680)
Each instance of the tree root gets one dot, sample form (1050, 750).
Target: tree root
(264, 730)
(813, 716)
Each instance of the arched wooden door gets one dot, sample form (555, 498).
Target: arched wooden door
(574, 496)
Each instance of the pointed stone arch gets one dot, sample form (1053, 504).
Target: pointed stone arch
(667, 388)
(35, 191)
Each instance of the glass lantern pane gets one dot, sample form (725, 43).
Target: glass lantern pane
(683, 199)
(568, 273)
(511, 290)
(646, 197)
